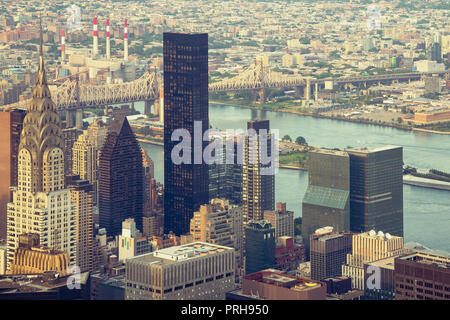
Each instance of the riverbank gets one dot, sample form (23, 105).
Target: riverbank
(318, 115)
(426, 183)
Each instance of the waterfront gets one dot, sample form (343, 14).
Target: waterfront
(426, 211)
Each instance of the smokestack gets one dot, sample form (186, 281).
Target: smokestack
(125, 42)
(63, 45)
(108, 45)
(95, 35)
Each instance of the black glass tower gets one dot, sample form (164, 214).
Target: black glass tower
(185, 101)
(120, 179)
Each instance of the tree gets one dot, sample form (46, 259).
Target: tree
(286, 138)
(300, 140)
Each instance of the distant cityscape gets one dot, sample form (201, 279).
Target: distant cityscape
(224, 150)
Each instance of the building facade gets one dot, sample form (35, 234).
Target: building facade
(327, 198)
(376, 190)
(195, 271)
(422, 276)
(258, 189)
(328, 252)
(368, 247)
(259, 246)
(120, 182)
(41, 204)
(185, 102)
(10, 129)
(282, 220)
(82, 195)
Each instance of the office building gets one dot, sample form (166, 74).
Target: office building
(274, 284)
(41, 204)
(195, 271)
(258, 189)
(288, 254)
(2, 257)
(82, 194)
(376, 189)
(328, 252)
(70, 136)
(32, 258)
(185, 102)
(259, 246)
(85, 162)
(282, 220)
(220, 223)
(327, 198)
(120, 179)
(368, 247)
(380, 276)
(10, 129)
(422, 276)
(131, 242)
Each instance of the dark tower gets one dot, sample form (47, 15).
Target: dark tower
(185, 101)
(120, 178)
(376, 190)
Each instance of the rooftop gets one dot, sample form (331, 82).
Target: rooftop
(180, 253)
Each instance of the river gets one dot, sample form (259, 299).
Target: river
(426, 211)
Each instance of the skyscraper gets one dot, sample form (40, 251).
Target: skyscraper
(376, 189)
(41, 204)
(82, 195)
(120, 178)
(259, 246)
(10, 129)
(282, 220)
(85, 162)
(185, 101)
(326, 201)
(258, 190)
(328, 252)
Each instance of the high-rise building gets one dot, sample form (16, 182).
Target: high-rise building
(282, 220)
(41, 204)
(131, 243)
(10, 129)
(147, 175)
(97, 133)
(326, 201)
(70, 136)
(328, 252)
(85, 162)
(376, 190)
(32, 258)
(274, 284)
(258, 189)
(288, 254)
(368, 247)
(382, 285)
(220, 223)
(185, 102)
(434, 52)
(259, 246)
(422, 276)
(82, 194)
(120, 178)
(195, 271)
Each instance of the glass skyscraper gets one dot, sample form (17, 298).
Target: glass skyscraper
(185, 101)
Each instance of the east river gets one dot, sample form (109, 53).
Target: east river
(426, 211)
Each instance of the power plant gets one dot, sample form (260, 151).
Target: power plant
(92, 66)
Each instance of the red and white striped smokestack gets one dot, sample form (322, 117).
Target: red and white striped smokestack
(108, 45)
(63, 45)
(95, 35)
(125, 42)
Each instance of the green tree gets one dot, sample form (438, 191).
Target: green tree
(286, 138)
(300, 140)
